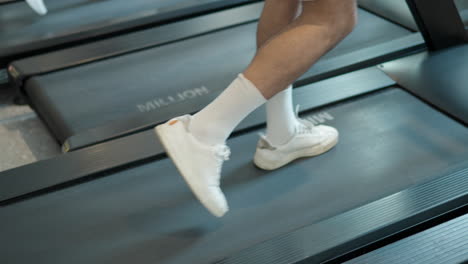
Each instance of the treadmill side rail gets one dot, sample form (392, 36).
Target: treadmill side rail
(43, 176)
(448, 240)
(329, 239)
(439, 22)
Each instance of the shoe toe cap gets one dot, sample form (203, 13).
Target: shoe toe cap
(328, 131)
(214, 200)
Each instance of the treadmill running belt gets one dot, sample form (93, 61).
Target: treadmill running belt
(68, 20)
(389, 142)
(187, 73)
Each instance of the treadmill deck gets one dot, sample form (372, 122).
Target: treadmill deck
(390, 141)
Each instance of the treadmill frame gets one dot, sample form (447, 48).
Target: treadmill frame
(439, 22)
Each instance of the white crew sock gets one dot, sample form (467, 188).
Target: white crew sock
(214, 123)
(281, 119)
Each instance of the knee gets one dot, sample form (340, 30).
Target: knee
(337, 17)
(348, 20)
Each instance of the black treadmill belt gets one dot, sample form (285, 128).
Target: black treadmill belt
(389, 142)
(189, 73)
(446, 243)
(68, 20)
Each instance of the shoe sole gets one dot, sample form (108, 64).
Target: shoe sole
(172, 151)
(305, 153)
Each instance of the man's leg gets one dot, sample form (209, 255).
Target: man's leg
(280, 61)
(197, 144)
(288, 55)
(276, 15)
(288, 137)
(281, 120)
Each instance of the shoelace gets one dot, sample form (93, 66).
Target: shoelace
(305, 126)
(223, 152)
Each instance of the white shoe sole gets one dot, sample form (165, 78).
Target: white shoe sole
(167, 137)
(303, 153)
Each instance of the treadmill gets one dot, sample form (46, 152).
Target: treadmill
(108, 89)
(401, 163)
(71, 22)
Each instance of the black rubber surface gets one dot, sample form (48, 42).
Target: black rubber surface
(446, 243)
(184, 72)
(389, 142)
(22, 30)
(440, 78)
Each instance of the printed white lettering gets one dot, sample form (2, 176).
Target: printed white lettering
(171, 99)
(146, 107)
(319, 118)
(201, 91)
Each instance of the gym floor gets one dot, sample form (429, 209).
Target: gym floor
(23, 137)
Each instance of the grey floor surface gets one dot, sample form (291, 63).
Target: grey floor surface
(23, 137)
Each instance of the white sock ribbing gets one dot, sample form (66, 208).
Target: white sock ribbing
(281, 119)
(214, 123)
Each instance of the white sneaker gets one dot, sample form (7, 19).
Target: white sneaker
(38, 6)
(198, 163)
(308, 141)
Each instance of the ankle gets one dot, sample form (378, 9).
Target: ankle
(205, 134)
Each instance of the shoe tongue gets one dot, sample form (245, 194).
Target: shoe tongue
(304, 125)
